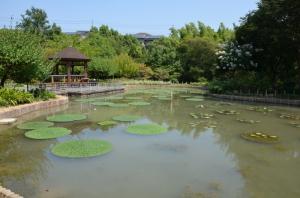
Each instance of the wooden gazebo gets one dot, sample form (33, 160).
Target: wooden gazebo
(70, 57)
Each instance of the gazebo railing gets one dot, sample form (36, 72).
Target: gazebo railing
(64, 78)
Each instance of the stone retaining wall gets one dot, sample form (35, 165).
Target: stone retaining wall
(5, 193)
(258, 99)
(16, 111)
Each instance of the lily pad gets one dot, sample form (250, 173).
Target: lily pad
(107, 123)
(117, 105)
(164, 98)
(84, 100)
(185, 96)
(227, 112)
(102, 103)
(66, 117)
(248, 121)
(34, 125)
(260, 137)
(194, 99)
(194, 115)
(289, 116)
(126, 118)
(114, 98)
(146, 129)
(133, 98)
(140, 103)
(81, 148)
(47, 133)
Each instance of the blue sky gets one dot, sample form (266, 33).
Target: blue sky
(130, 16)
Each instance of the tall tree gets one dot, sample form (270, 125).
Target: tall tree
(197, 57)
(35, 21)
(274, 30)
(21, 57)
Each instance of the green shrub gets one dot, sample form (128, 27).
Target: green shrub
(11, 97)
(42, 94)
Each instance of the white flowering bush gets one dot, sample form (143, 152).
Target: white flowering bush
(232, 56)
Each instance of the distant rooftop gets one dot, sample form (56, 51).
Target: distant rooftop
(143, 35)
(81, 33)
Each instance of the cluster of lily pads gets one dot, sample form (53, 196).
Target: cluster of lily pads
(260, 137)
(73, 149)
(43, 130)
(248, 121)
(260, 109)
(227, 112)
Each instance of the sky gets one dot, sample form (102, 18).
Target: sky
(130, 16)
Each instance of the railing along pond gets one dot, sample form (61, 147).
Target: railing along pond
(80, 87)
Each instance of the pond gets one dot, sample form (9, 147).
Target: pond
(211, 148)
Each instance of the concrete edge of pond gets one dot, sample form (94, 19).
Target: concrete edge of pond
(6, 193)
(276, 101)
(16, 111)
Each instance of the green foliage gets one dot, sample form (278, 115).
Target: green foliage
(12, 97)
(47, 133)
(66, 117)
(102, 68)
(274, 31)
(119, 66)
(81, 148)
(146, 129)
(198, 59)
(35, 125)
(162, 58)
(42, 94)
(21, 57)
(35, 21)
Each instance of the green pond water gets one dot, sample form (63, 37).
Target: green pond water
(201, 155)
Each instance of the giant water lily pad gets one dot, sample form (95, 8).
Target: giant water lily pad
(133, 98)
(114, 98)
(260, 137)
(164, 98)
(107, 123)
(126, 118)
(66, 117)
(146, 129)
(194, 99)
(85, 100)
(140, 103)
(118, 105)
(81, 148)
(102, 103)
(34, 125)
(47, 133)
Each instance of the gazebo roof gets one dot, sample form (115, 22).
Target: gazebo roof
(70, 54)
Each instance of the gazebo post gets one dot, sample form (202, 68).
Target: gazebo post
(85, 69)
(69, 65)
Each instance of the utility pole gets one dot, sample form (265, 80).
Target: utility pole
(11, 22)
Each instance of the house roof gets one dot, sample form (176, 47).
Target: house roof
(70, 53)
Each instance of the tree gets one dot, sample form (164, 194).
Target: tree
(274, 30)
(198, 59)
(162, 54)
(35, 21)
(21, 57)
